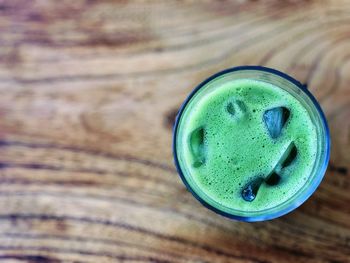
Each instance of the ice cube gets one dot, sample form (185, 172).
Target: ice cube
(236, 108)
(290, 155)
(275, 119)
(250, 191)
(197, 146)
(273, 179)
(230, 108)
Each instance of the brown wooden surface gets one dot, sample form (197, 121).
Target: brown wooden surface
(88, 94)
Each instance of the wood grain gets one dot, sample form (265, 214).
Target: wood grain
(88, 95)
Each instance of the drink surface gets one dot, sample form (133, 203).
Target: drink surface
(246, 145)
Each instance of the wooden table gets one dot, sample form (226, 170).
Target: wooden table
(88, 95)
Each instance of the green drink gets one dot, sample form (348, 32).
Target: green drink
(251, 143)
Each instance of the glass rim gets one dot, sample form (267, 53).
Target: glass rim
(318, 177)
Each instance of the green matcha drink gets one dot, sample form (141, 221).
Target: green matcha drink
(250, 144)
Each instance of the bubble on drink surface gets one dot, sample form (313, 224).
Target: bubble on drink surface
(275, 119)
(197, 146)
(236, 108)
(251, 189)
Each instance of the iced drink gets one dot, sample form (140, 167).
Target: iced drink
(251, 144)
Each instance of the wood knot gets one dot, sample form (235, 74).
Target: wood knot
(170, 117)
(61, 226)
(338, 169)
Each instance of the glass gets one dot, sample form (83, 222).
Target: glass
(301, 93)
